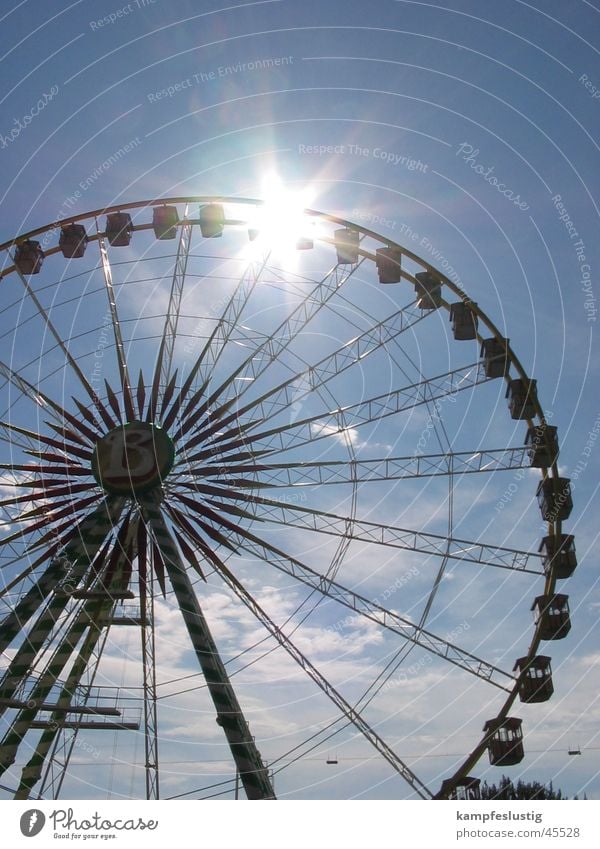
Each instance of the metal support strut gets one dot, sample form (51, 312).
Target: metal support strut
(253, 773)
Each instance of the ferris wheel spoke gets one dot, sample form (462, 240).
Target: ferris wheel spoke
(188, 552)
(61, 534)
(192, 411)
(324, 685)
(202, 511)
(56, 487)
(228, 321)
(51, 516)
(49, 519)
(215, 344)
(291, 566)
(12, 441)
(209, 505)
(140, 394)
(180, 520)
(118, 563)
(31, 392)
(336, 422)
(300, 385)
(108, 421)
(83, 453)
(47, 488)
(49, 470)
(164, 360)
(55, 492)
(168, 393)
(125, 384)
(283, 475)
(390, 536)
(190, 532)
(265, 354)
(44, 456)
(344, 538)
(113, 402)
(88, 415)
(44, 402)
(339, 421)
(69, 436)
(365, 313)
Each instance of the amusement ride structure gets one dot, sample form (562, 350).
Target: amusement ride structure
(190, 403)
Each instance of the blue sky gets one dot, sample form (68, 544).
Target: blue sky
(466, 131)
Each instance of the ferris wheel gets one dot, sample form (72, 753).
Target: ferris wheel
(237, 443)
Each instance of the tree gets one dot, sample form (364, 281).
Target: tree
(505, 789)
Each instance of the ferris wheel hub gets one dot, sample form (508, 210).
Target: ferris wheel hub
(133, 458)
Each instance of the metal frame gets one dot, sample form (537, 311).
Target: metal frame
(228, 446)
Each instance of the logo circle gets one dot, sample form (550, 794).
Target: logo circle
(133, 458)
(32, 822)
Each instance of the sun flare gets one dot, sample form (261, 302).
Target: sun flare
(280, 225)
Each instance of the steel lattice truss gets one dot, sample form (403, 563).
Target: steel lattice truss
(180, 454)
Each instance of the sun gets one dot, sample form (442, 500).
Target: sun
(280, 224)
